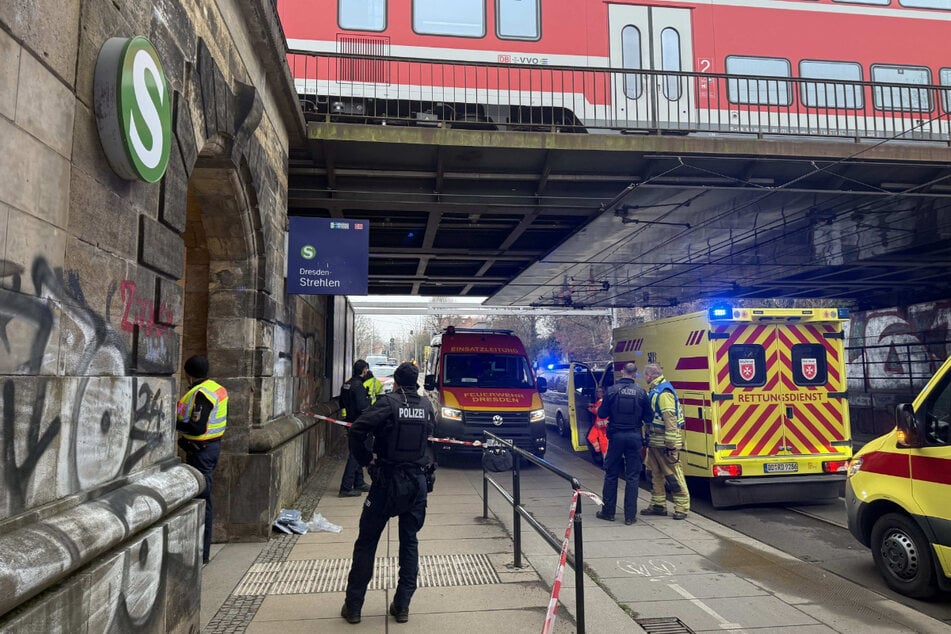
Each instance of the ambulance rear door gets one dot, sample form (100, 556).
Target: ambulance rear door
(749, 419)
(812, 382)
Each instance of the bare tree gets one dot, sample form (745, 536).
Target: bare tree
(365, 335)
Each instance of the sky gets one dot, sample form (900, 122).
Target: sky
(394, 324)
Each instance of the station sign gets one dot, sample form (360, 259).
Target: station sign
(327, 256)
(133, 108)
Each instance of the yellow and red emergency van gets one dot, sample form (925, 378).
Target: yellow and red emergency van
(481, 380)
(764, 397)
(898, 494)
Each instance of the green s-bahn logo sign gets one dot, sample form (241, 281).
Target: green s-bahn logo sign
(133, 108)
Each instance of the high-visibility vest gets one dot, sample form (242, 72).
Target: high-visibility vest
(374, 388)
(659, 436)
(217, 420)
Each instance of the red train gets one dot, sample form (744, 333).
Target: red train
(857, 67)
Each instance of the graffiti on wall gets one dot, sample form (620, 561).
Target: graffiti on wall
(898, 348)
(72, 417)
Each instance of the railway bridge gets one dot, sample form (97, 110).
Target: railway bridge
(628, 210)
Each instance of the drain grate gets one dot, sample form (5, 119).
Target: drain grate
(664, 625)
(307, 576)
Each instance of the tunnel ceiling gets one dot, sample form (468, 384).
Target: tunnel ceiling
(611, 220)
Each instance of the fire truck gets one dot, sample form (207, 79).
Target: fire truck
(763, 394)
(481, 380)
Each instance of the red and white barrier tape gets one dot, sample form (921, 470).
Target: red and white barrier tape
(560, 573)
(447, 441)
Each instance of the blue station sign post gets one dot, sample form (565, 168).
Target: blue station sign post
(327, 256)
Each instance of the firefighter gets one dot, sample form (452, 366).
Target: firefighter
(627, 409)
(403, 473)
(665, 440)
(354, 399)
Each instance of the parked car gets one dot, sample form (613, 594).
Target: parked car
(384, 373)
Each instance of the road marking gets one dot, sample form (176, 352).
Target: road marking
(724, 624)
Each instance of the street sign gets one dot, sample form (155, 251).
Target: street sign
(327, 256)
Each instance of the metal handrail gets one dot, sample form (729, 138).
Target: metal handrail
(383, 89)
(519, 512)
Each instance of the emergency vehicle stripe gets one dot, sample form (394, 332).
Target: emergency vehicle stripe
(692, 423)
(738, 410)
(771, 437)
(931, 469)
(887, 463)
(619, 346)
(834, 431)
(692, 363)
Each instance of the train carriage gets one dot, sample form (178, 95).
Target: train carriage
(858, 68)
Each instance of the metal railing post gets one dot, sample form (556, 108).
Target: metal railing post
(579, 557)
(517, 502)
(485, 493)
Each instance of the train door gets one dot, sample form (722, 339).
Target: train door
(655, 39)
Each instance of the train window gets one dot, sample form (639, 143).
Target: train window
(829, 94)
(631, 58)
(670, 60)
(809, 364)
(904, 98)
(752, 90)
(747, 365)
(459, 18)
(881, 2)
(362, 15)
(927, 4)
(944, 78)
(517, 19)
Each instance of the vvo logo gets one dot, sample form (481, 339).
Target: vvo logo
(133, 109)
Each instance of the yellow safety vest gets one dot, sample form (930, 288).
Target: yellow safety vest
(217, 420)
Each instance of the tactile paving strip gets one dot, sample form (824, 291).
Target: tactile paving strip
(306, 576)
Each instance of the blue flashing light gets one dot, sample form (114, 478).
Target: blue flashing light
(721, 311)
(843, 313)
(551, 366)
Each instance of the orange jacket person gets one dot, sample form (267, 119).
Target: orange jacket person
(598, 434)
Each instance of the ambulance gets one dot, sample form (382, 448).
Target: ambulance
(764, 397)
(481, 380)
(898, 494)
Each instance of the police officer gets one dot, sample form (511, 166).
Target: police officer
(354, 399)
(627, 409)
(400, 423)
(664, 444)
(201, 419)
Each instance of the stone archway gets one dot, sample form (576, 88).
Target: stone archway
(219, 306)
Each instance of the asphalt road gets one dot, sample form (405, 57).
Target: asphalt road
(813, 533)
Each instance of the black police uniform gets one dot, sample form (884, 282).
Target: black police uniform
(627, 407)
(400, 423)
(355, 400)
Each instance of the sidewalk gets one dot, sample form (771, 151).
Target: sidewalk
(693, 575)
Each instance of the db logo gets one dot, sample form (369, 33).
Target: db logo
(505, 59)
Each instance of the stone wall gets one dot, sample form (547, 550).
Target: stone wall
(98, 529)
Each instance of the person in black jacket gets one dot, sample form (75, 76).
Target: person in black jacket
(400, 424)
(354, 399)
(627, 409)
